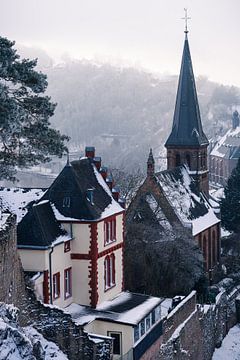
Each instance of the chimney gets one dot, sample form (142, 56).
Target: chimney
(103, 172)
(122, 203)
(235, 119)
(150, 164)
(109, 181)
(97, 162)
(115, 193)
(90, 152)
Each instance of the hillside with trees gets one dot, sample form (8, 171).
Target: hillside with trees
(124, 111)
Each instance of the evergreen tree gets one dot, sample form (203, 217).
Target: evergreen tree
(230, 204)
(26, 137)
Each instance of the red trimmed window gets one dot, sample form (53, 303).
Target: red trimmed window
(67, 283)
(109, 271)
(56, 285)
(67, 246)
(110, 230)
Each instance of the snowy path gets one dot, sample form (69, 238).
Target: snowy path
(230, 349)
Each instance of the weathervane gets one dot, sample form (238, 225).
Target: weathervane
(186, 18)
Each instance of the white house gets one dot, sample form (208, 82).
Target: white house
(70, 240)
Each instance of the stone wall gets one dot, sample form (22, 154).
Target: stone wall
(193, 331)
(11, 274)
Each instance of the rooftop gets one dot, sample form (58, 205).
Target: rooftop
(127, 308)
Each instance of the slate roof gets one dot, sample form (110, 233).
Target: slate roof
(191, 206)
(228, 147)
(39, 228)
(187, 127)
(126, 307)
(80, 193)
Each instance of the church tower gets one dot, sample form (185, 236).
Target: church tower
(187, 143)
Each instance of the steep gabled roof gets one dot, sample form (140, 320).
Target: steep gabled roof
(187, 127)
(190, 205)
(80, 193)
(39, 227)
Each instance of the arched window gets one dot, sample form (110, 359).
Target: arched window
(109, 271)
(188, 160)
(178, 160)
(209, 250)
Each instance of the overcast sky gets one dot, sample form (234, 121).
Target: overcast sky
(147, 33)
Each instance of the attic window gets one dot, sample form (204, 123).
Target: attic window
(90, 196)
(66, 201)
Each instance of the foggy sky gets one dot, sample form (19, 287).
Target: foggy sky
(147, 33)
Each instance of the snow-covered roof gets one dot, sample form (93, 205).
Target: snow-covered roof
(79, 193)
(191, 207)
(127, 308)
(228, 146)
(15, 200)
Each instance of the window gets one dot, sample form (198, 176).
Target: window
(117, 342)
(178, 160)
(109, 271)
(188, 160)
(67, 283)
(110, 231)
(142, 327)
(148, 322)
(136, 333)
(67, 246)
(66, 201)
(56, 285)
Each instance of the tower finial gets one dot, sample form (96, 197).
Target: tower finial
(150, 164)
(186, 18)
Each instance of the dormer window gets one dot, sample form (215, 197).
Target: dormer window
(66, 201)
(90, 195)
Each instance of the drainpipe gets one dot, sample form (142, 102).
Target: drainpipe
(50, 273)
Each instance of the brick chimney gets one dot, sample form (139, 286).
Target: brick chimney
(109, 181)
(97, 162)
(122, 203)
(90, 152)
(115, 193)
(103, 171)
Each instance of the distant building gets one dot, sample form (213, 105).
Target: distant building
(181, 192)
(225, 153)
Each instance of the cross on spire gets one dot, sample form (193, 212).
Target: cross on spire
(186, 18)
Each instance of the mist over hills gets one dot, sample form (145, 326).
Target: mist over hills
(125, 111)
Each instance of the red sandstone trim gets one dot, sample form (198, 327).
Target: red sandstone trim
(123, 236)
(110, 250)
(93, 283)
(45, 287)
(80, 256)
(77, 256)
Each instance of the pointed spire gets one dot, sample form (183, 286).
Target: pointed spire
(150, 164)
(187, 127)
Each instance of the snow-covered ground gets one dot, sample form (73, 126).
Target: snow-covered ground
(230, 349)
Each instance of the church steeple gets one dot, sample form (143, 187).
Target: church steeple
(187, 127)
(187, 143)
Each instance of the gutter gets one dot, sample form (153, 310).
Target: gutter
(50, 273)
